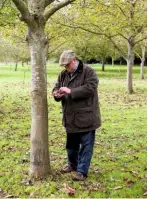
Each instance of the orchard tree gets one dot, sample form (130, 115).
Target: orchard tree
(18, 53)
(116, 20)
(86, 45)
(113, 53)
(89, 46)
(15, 55)
(124, 20)
(100, 49)
(140, 51)
(5, 48)
(35, 14)
(15, 36)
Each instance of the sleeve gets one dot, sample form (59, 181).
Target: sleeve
(57, 86)
(90, 85)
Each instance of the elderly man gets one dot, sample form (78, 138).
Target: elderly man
(76, 88)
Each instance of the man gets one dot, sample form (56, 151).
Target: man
(76, 88)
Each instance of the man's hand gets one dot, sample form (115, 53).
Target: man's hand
(57, 94)
(65, 90)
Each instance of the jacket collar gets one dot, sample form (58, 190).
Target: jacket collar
(80, 66)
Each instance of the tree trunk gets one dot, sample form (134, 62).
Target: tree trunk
(39, 157)
(22, 64)
(112, 62)
(35, 15)
(130, 62)
(16, 66)
(103, 66)
(142, 62)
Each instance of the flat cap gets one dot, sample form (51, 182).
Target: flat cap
(66, 57)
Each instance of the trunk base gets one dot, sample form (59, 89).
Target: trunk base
(130, 92)
(38, 171)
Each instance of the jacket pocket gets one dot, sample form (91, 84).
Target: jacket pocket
(68, 118)
(84, 119)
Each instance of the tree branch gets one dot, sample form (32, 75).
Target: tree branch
(21, 6)
(121, 10)
(49, 12)
(137, 54)
(78, 27)
(117, 47)
(109, 37)
(53, 50)
(138, 41)
(48, 2)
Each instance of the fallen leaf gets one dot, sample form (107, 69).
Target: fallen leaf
(118, 187)
(9, 196)
(95, 187)
(134, 173)
(27, 182)
(130, 183)
(52, 196)
(70, 191)
(145, 194)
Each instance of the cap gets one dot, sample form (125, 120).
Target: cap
(66, 57)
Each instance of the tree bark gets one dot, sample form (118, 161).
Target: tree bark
(142, 62)
(130, 62)
(33, 13)
(16, 63)
(103, 66)
(112, 62)
(39, 157)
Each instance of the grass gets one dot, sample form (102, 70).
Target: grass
(118, 167)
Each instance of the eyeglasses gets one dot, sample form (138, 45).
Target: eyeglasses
(66, 65)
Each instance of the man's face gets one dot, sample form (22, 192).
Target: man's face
(70, 66)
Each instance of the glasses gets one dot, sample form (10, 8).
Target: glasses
(66, 65)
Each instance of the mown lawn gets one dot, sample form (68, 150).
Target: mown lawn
(118, 168)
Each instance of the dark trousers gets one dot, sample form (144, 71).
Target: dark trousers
(80, 149)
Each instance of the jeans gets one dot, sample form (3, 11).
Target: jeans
(79, 148)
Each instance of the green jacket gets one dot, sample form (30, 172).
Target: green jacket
(81, 112)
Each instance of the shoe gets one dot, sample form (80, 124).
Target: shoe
(78, 177)
(67, 169)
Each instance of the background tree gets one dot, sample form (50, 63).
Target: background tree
(140, 51)
(100, 48)
(116, 20)
(19, 53)
(5, 48)
(113, 53)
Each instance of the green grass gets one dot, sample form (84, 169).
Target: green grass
(118, 167)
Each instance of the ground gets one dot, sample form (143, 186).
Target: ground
(118, 167)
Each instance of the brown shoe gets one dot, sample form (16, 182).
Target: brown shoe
(67, 169)
(78, 177)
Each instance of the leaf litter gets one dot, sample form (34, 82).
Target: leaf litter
(68, 190)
